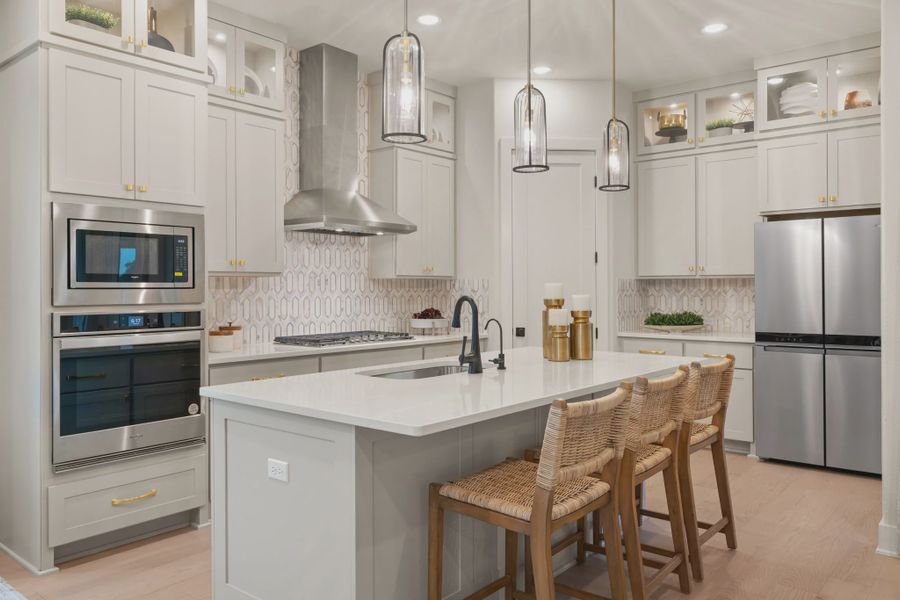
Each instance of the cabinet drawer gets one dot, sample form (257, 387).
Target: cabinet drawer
(89, 507)
(371, 358)
(262, 369)
(743, 353)
(443, 350)
(672, 348)
(739, 418)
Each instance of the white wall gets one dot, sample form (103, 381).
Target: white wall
(889, 531)
(18, 26)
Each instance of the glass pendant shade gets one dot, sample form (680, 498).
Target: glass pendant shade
(530, 131)
(615, 157)
(404, 91)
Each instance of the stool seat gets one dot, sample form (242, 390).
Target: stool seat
(700, 432)
(508, 488)
(649, 456)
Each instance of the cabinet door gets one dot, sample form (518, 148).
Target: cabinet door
(170, 139)
(792, 95)
(91, 126)
(410, 193)
(666, 124)
(260, 70)
(854, 166)
(716, 108)
(793, 173)
(739, 417)
(220, 199)
(172, 31)
(222, 52)
(854, 84)
(259, 214)
(666, 219)
(726, 210)
(107, 23)
(440, 119)
(440, 217)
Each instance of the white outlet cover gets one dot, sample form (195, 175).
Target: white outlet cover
(278, 470)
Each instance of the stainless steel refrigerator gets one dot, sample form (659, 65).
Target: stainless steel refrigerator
(817, 360)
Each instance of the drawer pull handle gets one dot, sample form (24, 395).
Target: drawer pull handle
(711, 355)
(654, 352)
(279, 376)
(121, 501)
(83, 377)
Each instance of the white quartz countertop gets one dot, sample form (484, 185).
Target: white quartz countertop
(271, 350)
(426, 406)
(692, 336)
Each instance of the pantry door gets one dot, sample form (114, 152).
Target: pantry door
(553, 217)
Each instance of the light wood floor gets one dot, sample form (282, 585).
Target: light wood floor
(803, 534)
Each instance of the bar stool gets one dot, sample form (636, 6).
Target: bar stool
(536, 499)
(650, 448)
(711, 400)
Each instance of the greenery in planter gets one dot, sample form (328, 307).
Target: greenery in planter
(90, 14)
(719, 124)
(678, 319)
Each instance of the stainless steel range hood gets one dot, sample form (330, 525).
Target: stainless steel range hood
(329, 171)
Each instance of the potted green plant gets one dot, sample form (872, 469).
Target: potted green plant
(720, 127)
(91, 17)
(676, 321)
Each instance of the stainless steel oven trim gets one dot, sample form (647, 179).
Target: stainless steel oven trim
(111, 442)
(57, 328)
(76, 224)
(63, 295)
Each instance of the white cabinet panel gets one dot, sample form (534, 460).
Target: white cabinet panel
(791, 95)
(440, 120)
(220, 199)
(657, 132)
(793, 173)
(91, 126)
(739, 418)
(727, 210)
(221, 53)
(440, 217)
(854, 166)
(854, 84)
(259, 214)
(259, 70)
(170, 139)
(411, 192)
(120, 14)
(666, 219)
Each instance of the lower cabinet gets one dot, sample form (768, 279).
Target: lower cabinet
(245, 210)
(262, 369)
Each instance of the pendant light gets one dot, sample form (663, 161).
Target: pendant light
(403, 72)
(530, 124)
(616, 148)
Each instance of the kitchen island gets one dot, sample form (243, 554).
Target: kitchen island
(320, 482)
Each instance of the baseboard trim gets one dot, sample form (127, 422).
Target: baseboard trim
(888, 540)
(25, 564)
(203, 525)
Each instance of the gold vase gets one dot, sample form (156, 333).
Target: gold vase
(559, 343)
(582, 340)
(548, 304)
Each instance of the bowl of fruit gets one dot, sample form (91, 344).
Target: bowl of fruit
(430, 321)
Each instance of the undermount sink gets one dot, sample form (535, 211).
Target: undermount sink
(420, 372)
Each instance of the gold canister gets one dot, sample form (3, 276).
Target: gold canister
(548, 304)
(559, 343)
(581, 341)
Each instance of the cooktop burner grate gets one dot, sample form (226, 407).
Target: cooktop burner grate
(342, 339)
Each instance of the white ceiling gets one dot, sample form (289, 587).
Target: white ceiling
(659, 40)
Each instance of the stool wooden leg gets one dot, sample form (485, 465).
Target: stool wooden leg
(686, 485)
(541, 545)
(579, 545)
(595, 526)
(435, 543)
(630, 528)
(529, 572)
(512, 563)
(615, 562)
(720, 465)
(676, 520)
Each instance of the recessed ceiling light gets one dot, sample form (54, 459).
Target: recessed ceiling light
(673, 106)
(379, 233)
(713, 28)
(837, 72)
(221, 37)
(273, 68)
(428, 20)
(541, 70)
(776, 80)
(735, 95)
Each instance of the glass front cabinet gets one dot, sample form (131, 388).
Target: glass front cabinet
(666, 124)
(163, 30)
(726, 114)
(245, 66)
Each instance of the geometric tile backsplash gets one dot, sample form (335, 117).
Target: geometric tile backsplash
(325, 287)
(727, 305)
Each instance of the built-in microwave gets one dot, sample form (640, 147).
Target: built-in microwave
(112, 256)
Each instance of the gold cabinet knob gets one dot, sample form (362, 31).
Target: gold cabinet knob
(690, 140)
(823, 114)
(834, 112)
(691, 268)
(242, 263)
(232, 89)
(821, 199)
(231, 262)
(242, 91)
(143, 43)
(129, 187)
(832, 198)
(129, 40)
(142, 189)
(700, 139)
(702, 268)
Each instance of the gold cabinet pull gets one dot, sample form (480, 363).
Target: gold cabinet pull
(129, 40)
(691, 268)
(232, 262)
(702, 268)
(143, 43)
(129, 187)
(700, 139)
(242, 91)
(142, 189)
(711, 355)
(821, 199)
(823, 114)
(232, 89)
(144, 496)
(690, 140)
(832, 198)
(279, 376)
(653, 352)
(242, 263)
(833, 112)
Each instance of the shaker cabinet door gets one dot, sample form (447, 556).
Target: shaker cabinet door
(793, 173)
(410, 193)
(170, 139)
(172, 31)
(108, 23)
(440, 216)
(666, 219)
(220, 198)
(854, 167)
(91, 126)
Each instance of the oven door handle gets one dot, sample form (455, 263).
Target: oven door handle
(134, 339)
(83, 377)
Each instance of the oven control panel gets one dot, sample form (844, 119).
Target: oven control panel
(180, 266)
(86, 324)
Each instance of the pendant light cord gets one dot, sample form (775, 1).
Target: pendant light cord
(614, 60)
(529, 47)
(405, 16)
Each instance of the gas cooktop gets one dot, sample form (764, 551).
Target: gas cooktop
(342, 339)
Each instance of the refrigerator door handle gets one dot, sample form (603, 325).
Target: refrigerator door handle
(797, 349)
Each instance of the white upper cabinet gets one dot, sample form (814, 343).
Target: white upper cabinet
(440, 217)
(91, 126)
(120, 133)
(794, 94)
(245, 66)
(793, 173)
(438, 116)
(854, 167)
(169, 31)
(220, 225)
(666, 218)
(726, 212)
(440, 121)
(726, 114)
(854, 84)
(666, 124)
